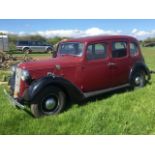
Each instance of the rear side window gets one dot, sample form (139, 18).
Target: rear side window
(39, 43)
(119, 49)
(96, 51)
(22, 43)
(133, 49)
(33, 43)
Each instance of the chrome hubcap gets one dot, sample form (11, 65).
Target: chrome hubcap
(50, 103)
(137, 80)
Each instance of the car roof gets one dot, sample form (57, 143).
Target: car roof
(99, 38)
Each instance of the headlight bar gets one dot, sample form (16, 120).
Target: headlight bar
(25, 75)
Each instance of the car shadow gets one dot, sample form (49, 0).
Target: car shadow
(98, 97)
(104, 96)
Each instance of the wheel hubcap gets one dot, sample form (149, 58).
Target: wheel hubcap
(137, 80)
(50, 103)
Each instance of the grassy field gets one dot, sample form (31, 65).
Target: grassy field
(34, 55)
(122, 112)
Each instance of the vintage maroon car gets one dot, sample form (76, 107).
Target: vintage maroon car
(83, 67)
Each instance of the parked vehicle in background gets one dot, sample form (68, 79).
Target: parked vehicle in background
(151, 44)
(83, 68)
(33, 46)
(3, 43)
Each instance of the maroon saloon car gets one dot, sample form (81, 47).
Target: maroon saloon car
(83, 67)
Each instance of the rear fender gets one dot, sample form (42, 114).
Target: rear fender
(139, 66)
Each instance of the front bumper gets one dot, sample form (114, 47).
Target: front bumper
(13, 101)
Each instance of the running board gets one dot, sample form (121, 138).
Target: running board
(98, 92)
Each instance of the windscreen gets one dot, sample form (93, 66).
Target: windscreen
(71, 48)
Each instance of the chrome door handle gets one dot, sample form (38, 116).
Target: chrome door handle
(111, 64)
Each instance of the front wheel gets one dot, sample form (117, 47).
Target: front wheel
(49, 101)
(138, 79)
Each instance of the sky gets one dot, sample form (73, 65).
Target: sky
(139, 28)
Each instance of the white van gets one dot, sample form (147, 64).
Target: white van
(3, 42)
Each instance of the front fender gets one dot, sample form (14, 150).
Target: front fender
(70, 89)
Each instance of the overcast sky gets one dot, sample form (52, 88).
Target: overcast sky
(140, 29)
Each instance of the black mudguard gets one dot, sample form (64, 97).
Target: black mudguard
(70, 89)
(138, 66)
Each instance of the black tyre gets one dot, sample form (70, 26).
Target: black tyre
(138, 79)
(49, 101)
(26, 50)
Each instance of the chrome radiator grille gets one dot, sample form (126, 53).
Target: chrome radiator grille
(17, 82)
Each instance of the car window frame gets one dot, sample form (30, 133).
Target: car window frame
(60, 54)
(93, 43)
(121, 40)
(137, 48)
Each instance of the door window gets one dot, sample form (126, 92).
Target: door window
(119, 49)
(33, 43)
(39, 43)
(133, 49)
(22, 43)
(96, 51)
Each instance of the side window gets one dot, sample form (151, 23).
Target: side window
(33, 43)
(23, 43)
(39, 43)
(119, 49)
(133, 49)
(96, 51)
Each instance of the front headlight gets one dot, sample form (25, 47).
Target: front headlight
(13, 70)
(25, 75)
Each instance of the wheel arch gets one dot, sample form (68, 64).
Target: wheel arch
(62, 88)
(25, 47)
(71, 91)
(139, 66)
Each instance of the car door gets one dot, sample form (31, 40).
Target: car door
(95, 72)
(119, 64)
(33, 46)
(36, 46)
(40, 47)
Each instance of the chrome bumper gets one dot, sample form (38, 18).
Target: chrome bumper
(13, 101)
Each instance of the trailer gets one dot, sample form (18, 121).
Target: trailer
(3, 43)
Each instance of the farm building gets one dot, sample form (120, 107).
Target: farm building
(3, 42)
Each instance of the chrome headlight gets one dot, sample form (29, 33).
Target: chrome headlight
(13, 69)
(25, 75)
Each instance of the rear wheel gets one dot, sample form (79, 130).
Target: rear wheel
(138, 79)
(26, 50)
(49, 50)
(49, 101)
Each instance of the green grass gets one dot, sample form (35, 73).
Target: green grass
(122, 112)
(34, 54)
(4, 75)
